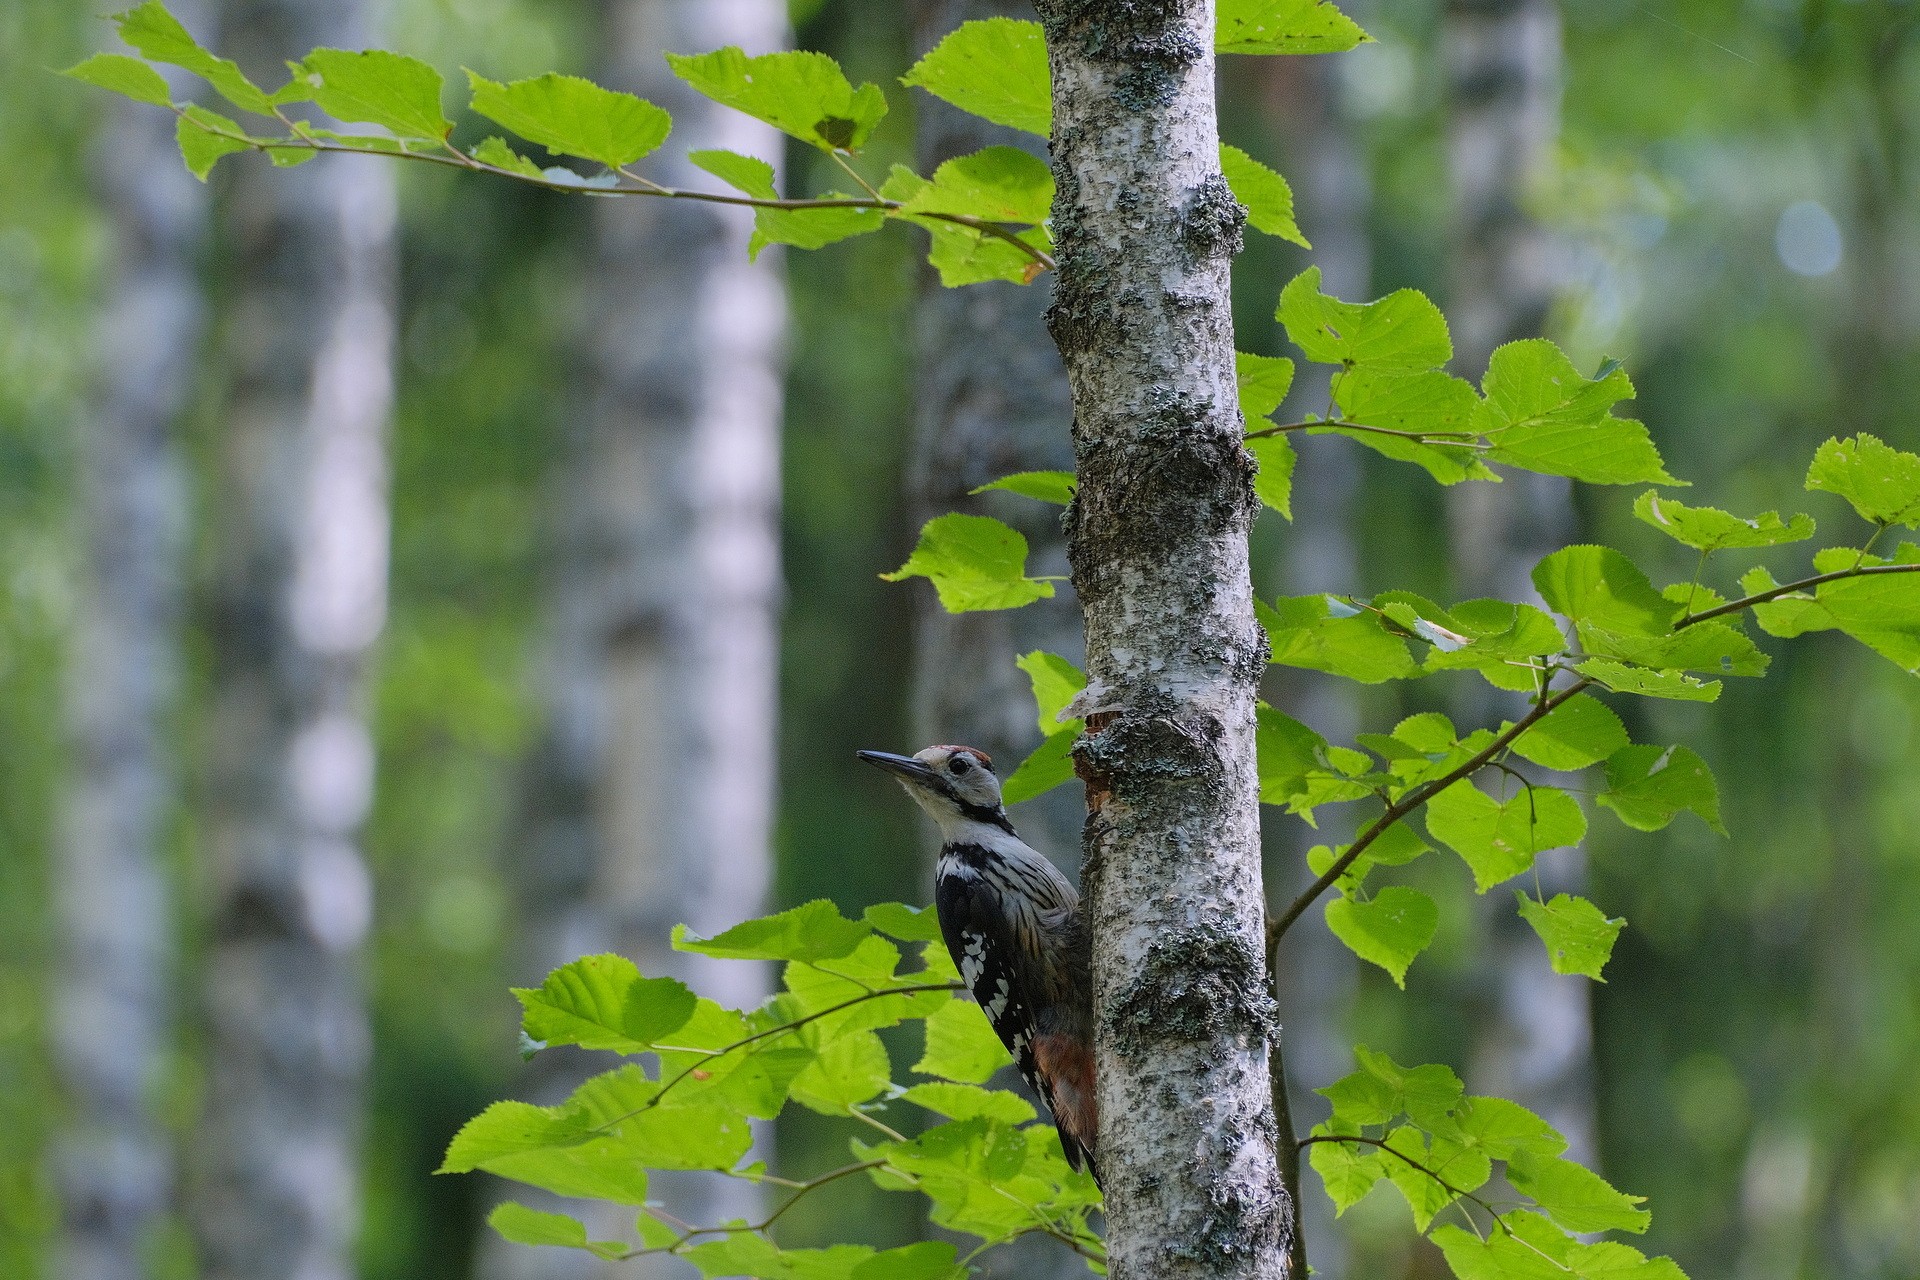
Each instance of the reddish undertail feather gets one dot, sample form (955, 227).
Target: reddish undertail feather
(1066, 1065)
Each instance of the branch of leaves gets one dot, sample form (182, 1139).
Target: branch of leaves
(1533, 410)
(1418, 1129)
(985, 213)
(704, 1073)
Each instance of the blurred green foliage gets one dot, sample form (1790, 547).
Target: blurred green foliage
(1757, 1035)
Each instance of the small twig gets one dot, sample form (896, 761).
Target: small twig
(1442, 1183)
(805, 1188)
(782, 1029)
(1734, 606)
(1458, 439)
(642, 186)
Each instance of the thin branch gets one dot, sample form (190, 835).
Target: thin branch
(1420, 795)
(641, 186)
(1734, 606)
(1459, 439)
(1442, 1183)
(1289, 1153)
(782, 1029)
(1412, 800)
(805, 1188)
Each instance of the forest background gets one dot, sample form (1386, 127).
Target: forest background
(1724, 198)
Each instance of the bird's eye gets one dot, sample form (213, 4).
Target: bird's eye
(960, 764)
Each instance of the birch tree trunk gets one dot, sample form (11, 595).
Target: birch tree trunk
(1503, 59)
(651, 800)
(1157, 536)
(992, 400)
(117, 946)
(1315, 974)
(302, 526)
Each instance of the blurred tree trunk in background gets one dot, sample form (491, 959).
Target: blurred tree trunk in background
(651, 799)
(301, 540)
(1327, 164)
(114, 1014)
(1534, 1037)
(991, 399)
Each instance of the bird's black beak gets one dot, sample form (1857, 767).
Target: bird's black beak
(904, 767)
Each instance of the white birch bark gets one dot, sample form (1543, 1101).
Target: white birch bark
(117, 947)
(302, 528)
(651, 801)
(1157, 535)
(1315, 975)
(1534, 1040)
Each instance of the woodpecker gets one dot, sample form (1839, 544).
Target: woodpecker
(1013, 925)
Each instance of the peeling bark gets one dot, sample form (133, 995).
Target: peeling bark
(651, 796)
(117, 950)
(301, 542)
(1534, 1040)
(1157, 538)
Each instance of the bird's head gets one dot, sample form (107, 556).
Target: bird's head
(955, 785)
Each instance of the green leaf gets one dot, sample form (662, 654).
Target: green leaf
(201, 148)
(1287, 752)
(1579, 732)
(995, 68)
(1263, 193)
(1501, 1127)
(965, 1101)
(1263, 381)
(804, 228)
(602, 1002)
(1881, 482)
(508, 1128)
(927, 1260)
(812, 931)
(1499, 839)
(961, 1045)
(1578, 935)
(377, 87)
(1648, 787)
(805, 95)
(600, 1170)
(1389, 930)
(159, 37)
(521, 1225)
(117, 73)
(1713, 647)
(1347, 1170)
(1322, 633)
(1673, 685)
(747, 1253)
(846, 1073)
(1542, 415)
(1573, 1196)
(1056, 682)
(1598, 585)
(1273, 482)
(1423, 1192)
(961, 254)
(1401, 333)
(898, 920)
(496, 152)
(974, 563)
(1710, 529)
(1047, 486)
(1050, 766)
(574, 117)
(688, 1129)
(1284, 26)
(996, 184)
(1427, 402)
(1426, 1093)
